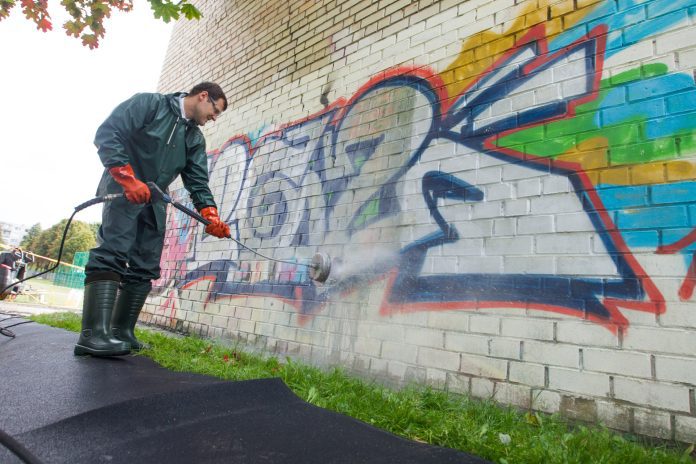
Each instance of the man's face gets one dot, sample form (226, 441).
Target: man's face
(207, 109)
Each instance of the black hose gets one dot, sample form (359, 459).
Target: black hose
(18, 449)
(78, 208)
(60, 253)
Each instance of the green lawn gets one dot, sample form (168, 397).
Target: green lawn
(500, 434)
(42, 292)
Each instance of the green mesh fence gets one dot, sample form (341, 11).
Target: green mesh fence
(67, 276)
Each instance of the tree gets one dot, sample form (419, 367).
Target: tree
(81, 237)
(32, 234)
(88, 15)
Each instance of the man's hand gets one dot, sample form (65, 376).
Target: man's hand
(134, 190)
(216, 226)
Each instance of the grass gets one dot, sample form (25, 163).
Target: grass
(500, 434)
(44, 292)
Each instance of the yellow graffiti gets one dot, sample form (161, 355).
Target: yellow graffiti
(481, 50)
(591, 156)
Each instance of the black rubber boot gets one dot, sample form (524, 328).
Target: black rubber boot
(130, 302)
(95, 338)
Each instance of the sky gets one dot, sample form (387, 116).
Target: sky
(55, 93)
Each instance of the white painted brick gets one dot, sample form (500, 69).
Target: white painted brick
(551, 354)
(680, 315)
(675, 369)
(436, 378)
(432, 338)
(563, 244)
(367, 346)
(482, 388)
(486, 210)
(400, 352)
(484, 324)
(685, 428)
(546, 401)
(646, 393)
(396, 370)
(285, 333)
(585, 333)
(504, 348)
(390, 332)
(488, 175)
(246, 326)
(481, 366)
(582, 382)
(528, 187)
(450, 320)
(652, 423)
(457, 383)
(504, 227)
(677, 40)
(516, 395)
(527, 264)
(590, 265)
(573, 222)
(527, 373)
(466, 343)
(520, 245)
(516, 207)
(614, 416)
(438, 358)
(264, 329)
(536, 329)
(617, 362)
(671, 341)
(535, 224)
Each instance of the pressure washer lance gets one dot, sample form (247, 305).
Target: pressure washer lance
(319, 267)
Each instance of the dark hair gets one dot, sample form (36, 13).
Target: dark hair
(214, 91)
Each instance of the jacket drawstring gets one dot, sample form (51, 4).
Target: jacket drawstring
(173, 129)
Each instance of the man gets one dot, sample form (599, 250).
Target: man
(149, 137)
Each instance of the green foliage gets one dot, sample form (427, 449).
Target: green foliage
(500, 434)
(88, 16)
(81, 237)
(30, 237)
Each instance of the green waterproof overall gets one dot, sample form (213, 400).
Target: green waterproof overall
(148, 132)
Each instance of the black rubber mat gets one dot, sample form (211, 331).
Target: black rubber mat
(129, 410)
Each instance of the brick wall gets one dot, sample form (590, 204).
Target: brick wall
(506, 189)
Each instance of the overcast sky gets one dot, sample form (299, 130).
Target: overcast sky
(55, 93)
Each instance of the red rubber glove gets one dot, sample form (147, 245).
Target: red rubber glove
(134, 190)
(216, 226)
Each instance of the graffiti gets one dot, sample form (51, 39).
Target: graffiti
(535, 184)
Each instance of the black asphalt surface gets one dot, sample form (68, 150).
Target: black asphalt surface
(67, 409)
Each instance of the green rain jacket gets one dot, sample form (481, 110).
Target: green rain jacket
(148, 132)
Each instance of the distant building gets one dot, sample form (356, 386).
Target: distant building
(12, 234)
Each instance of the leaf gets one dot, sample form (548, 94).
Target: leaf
(483, 430)
(165, 11)
(5, 7)
(312, 395)
(190, 12)
(688, 451)
(74, 28)
(90, 40)
(45, 25)
(533, 418)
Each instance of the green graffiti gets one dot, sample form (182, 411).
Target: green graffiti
(371, 210)
(627, 142)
